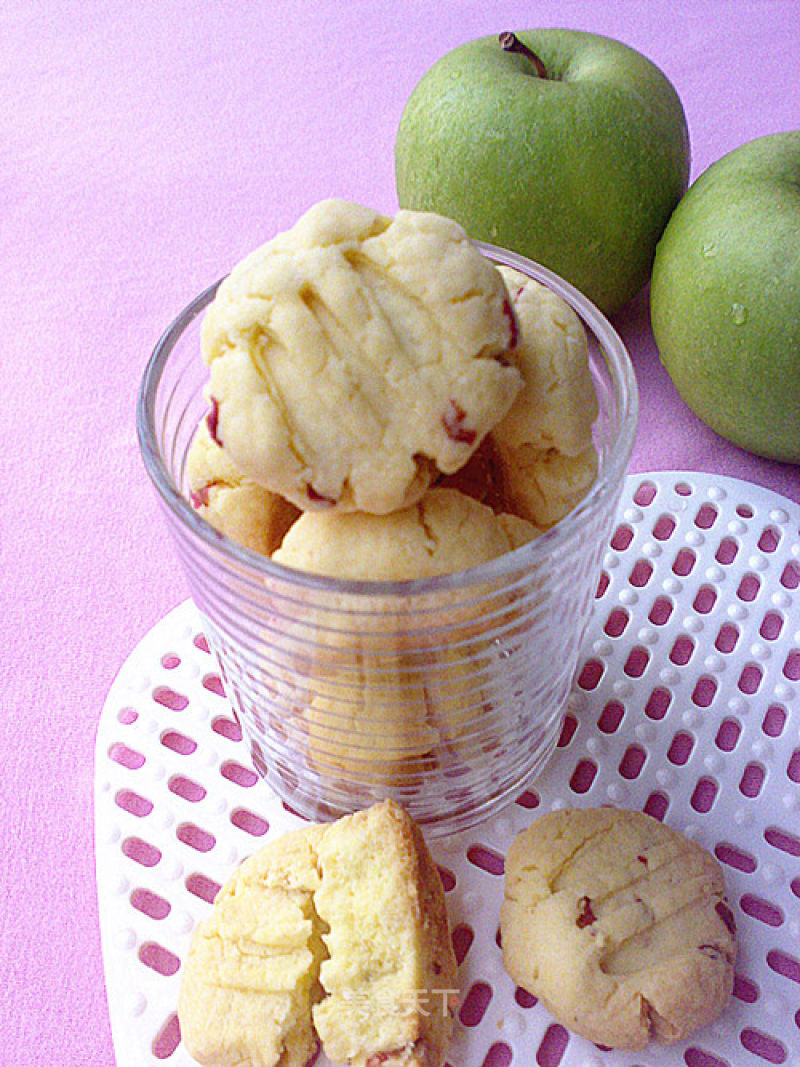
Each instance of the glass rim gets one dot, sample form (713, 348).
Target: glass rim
(544, 547)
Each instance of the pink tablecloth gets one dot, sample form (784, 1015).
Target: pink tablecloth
(144, 149)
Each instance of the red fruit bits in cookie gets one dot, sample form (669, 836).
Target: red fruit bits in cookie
(453, 421)
(212, 421)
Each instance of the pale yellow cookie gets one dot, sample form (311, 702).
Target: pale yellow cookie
(376, 731)
(540, 486)
(544, 486)
(334, 934)
(354, 357)
(252, 972)
(385, 690)
(557, 405)
(619, 925)
(231, 502)
(444, 532)
(539, 461)
(390, 976)
(543, 459)
(393, 719)
(379, 703)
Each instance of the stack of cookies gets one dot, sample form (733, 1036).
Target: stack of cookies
(385, 404)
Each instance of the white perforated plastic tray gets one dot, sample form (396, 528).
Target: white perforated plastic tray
(686, 705)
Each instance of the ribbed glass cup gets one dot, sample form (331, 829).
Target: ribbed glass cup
(445, 693)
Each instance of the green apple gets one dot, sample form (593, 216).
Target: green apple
(725, 296)
(567, 147)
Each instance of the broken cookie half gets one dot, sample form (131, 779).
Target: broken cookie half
(333, 935)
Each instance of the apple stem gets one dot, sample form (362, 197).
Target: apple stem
(511, 43)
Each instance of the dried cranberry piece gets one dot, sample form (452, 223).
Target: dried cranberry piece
(420, 1048)
(378, 1058)
(453, 422)
(509, 313)
(212, 421)
(587, 916)
(725, 913)
(199, 497)
(318, 498)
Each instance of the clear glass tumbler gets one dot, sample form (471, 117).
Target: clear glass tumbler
(445, 693)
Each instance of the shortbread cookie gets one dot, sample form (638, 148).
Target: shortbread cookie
(544, 457)
(393, 719)
(375, 730)
(557, 405)
(390, 974)
(232, 503)
(252, 973)
(332, 934)
(385, 692)
(444, 532)
(539, 461)
(542, 486)
(354, 357)
(619, 924)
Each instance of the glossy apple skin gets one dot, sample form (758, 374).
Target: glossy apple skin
(725, 296)
(579, 171)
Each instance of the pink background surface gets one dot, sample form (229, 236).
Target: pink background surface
(144, 148)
